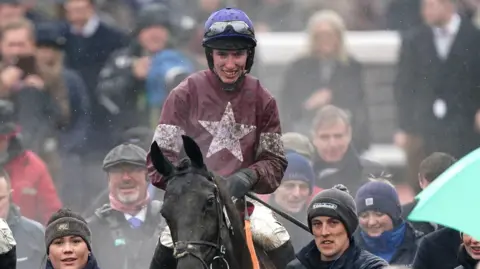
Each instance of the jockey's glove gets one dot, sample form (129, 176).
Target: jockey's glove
(241, 182)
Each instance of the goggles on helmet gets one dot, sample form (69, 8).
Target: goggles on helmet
(238, 27)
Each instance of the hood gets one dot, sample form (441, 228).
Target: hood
(309, 256)
(15, 148)
(14, 215)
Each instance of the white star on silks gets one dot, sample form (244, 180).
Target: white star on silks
(227, 133)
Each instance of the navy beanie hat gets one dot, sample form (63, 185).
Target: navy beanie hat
(381, 197)
(299, 168)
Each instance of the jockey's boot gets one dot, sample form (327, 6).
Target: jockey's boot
(281, 256)
(163, 258)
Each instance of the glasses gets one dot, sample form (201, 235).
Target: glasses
(238, 27)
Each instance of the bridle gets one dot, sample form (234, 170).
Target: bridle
(184, 248)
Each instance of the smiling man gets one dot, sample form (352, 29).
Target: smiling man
(337, 161)
(332, 219)
(126, 228)
(292, 196)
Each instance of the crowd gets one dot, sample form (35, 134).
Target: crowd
(84, 82)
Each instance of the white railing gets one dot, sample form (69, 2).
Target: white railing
(367, 47)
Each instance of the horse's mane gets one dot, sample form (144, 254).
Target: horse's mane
(238, 237)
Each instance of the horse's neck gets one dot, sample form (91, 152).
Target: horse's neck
(237, 252)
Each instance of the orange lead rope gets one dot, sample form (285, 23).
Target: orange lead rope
(249, 238)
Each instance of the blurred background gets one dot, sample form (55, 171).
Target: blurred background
(86, 75)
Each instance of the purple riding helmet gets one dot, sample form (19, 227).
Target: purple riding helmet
(229, 29)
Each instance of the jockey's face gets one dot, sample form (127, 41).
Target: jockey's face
(331, 237)
(229, 65)
(332, 141)
(292, 195)
(375, 223)
(472, 246)
(128, 183)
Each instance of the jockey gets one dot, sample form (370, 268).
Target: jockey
(235, 122)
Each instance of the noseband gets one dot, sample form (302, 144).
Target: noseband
(184, 248)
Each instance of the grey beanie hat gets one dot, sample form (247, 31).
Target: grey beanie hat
(336, 203)
(125, 153)
(66, 223)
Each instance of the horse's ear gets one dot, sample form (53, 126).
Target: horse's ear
(159, 161)
(193, 151)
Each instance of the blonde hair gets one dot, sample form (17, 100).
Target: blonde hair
(338, 24)
(17, 24)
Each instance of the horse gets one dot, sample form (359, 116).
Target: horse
(206, 228)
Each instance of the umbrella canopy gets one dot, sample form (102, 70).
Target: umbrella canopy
(452, 199)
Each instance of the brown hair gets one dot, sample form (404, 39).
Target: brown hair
(435, 164)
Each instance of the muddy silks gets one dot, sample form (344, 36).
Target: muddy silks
(249, 238)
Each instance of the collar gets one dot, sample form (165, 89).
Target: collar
(140, 215)
(13, 217)
(452, 26)
(90, 27)
(310, 256)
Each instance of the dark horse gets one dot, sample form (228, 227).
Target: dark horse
(206, 227)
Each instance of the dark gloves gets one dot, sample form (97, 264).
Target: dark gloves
(241, 182)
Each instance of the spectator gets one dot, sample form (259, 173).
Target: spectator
(292, 196)
(336, 160)
(326, 75)
(68, 241)
(28, 234)
(34, 191)
(332, 219)
(434, 59)
(128, 227)
(124, 79)
(71, 138)
(430, 168)
(468, 256)
(382, 231)
(438, 250)
(8, 255)
(41, 100)
(89, 43)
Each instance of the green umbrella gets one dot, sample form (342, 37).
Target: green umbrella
(452, 199)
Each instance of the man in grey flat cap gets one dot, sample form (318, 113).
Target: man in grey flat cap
(126, 229)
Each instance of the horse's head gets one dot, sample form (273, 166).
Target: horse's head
(193, 207)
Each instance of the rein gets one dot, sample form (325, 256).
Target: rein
(184, 248)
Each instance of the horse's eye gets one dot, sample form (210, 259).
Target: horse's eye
(210, 202)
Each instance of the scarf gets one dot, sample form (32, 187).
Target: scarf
(131, 209)
(385, 245)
